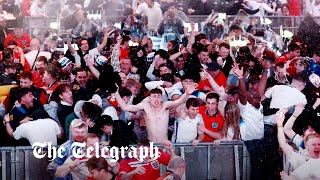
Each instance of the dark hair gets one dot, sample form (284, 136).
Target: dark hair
(235, 27)
(42, 59)
(192, 102)
(165, 65)
(26, 75)
(62, 88)
(202, 49)
(78, 69)
(97, 163)
(22, 92)
(225, 45)
(91, 110)
(125, 39)
(245, 66)
(299, 77)
(124, 92)
(53, 71)
(156, 91)
(80, 40)
(12, 42)
(104, 120)
(168, 77)
(55, 96)
(6, 54)
(162, 53)
(293, 47)
(280, 65)
(253, 79)
(55, 55)
(200, 36)
(212, 96)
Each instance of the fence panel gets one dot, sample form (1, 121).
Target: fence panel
(7, 159)
(206, 161)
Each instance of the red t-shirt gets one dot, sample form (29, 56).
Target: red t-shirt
(37, 79)
(212, 123)
(291, 69)
(22, 42)
(221, 80)
(124, 53)
(294, 8)
(152, 168)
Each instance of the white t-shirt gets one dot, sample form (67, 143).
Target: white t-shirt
(31, 56)
(251, 124)
(93, 54)
(297, 158)
(35, 9)
(41, 130)
(186, 130)
(154, 14)
(263, 7)
(308, 170)
(285, 96)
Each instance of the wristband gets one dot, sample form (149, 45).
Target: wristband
(240, 77)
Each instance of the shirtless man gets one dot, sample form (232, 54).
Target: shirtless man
(157, 113)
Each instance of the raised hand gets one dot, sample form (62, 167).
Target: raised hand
(190, 89)
(298, 109)
(280, 115)
(237, 71)
(167, 145)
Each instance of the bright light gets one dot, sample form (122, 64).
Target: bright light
(54, 25)
(222, 16)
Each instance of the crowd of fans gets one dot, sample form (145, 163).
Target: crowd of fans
(114, 94)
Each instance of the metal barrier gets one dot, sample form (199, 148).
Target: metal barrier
(230, 160)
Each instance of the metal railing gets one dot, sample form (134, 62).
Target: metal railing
(229, 160)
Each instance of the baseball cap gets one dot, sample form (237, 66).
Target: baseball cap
(101, 60)
(64, 62)
(213, 66)
(76, 123)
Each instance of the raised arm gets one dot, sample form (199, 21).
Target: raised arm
(189, 90)
(115, 55)
(286, 148)
(213, 83)
(289, 124)
(126, 107)
(263, 82)
(93, 69)
(176, 55)
(242, 85)
(107, 33)
(70, 47)
(8, 126)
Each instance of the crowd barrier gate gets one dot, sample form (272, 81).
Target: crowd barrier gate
(226, 161)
